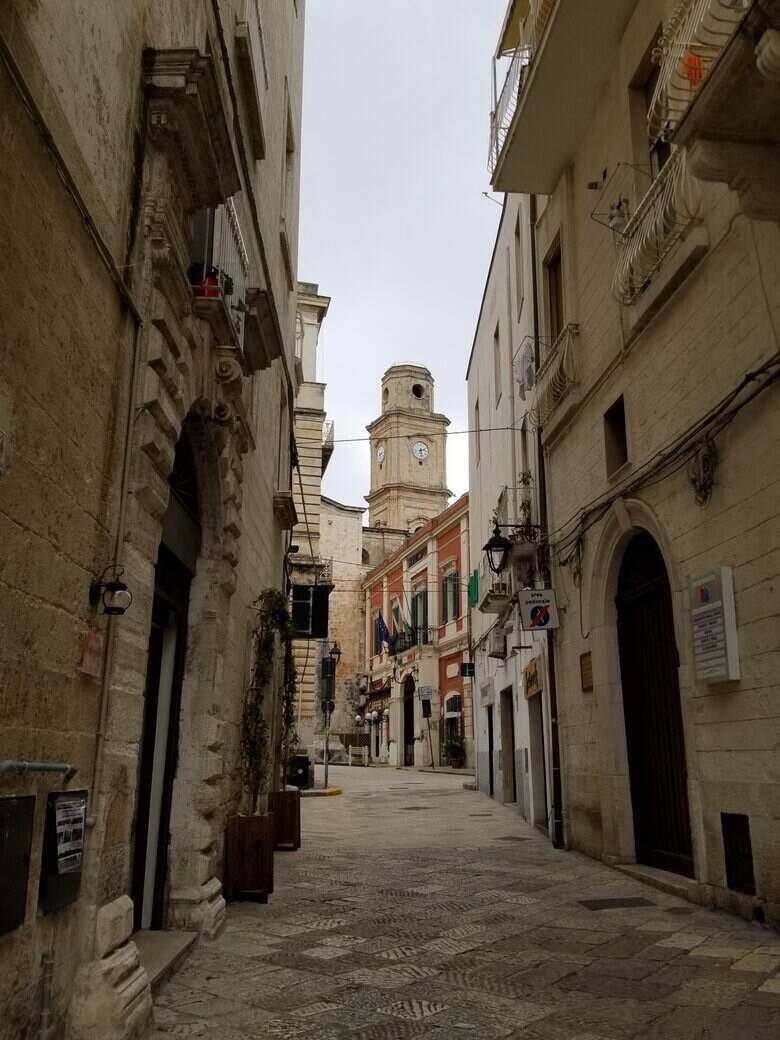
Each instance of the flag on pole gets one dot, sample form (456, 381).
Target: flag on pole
(384, 633)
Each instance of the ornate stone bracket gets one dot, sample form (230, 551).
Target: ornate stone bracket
(752, 170)
(262, 342)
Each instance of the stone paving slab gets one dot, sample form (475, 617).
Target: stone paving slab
(461, 922)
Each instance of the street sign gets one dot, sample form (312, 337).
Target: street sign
(715, 646)
(426, 692)
(328, 707)
(538, 609)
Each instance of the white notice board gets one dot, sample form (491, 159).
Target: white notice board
(714, 619)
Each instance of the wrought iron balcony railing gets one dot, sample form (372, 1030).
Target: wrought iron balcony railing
(664, 216)
(506, 104)
(557, 373)
(219, 272)
(697, 34)
(401, 642)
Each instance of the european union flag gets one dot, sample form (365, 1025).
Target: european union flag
(384, 632)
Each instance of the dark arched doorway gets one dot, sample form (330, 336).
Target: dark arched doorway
(409, 721)
(175, 567)
(651, 700)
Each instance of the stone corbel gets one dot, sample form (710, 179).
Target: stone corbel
(262, 341)
(188, 119)
(768, 55)
(164, 228)
(751, 170)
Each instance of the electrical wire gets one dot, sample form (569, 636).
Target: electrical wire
(438, 433)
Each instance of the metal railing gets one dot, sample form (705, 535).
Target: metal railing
(408, 640)
(697, 34)
(506, 104)
(220, 267)
(668, 210)
(557, 374)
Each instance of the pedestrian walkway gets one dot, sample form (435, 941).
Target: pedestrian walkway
(418, 909)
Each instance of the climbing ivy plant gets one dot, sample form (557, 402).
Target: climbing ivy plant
(272, 621)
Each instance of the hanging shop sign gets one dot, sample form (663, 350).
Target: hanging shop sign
(533, 678)
(714, 618)
(538, 609)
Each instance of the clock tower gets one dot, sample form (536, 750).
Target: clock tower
(408, 452)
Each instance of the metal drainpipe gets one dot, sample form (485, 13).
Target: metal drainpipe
(557, 786)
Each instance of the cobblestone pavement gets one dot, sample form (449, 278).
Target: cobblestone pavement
(418, 909)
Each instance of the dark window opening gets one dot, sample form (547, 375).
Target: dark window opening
(615, 439)
(554, 277)
(738, 852)
(417, 390)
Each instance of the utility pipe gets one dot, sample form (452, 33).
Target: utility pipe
(16, 765)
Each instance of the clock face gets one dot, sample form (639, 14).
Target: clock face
(380, 454)
(420, 450)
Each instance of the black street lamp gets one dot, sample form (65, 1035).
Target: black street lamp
(497, 550)
(329, 704)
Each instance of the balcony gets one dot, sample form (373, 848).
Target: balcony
(563, 56)
(328, 442)
(557, 374)
(403, 642)
(715, 57)
(692, 43)
(219, 273)
(664, 217)
(495, 590)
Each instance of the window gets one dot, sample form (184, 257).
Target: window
(420, 615)
(615, 440)
(310, 611)
(519, 266)
(284, 474)
(377, 635)
(395, 612)
(450, 597)
(553, 267)
(497, 361)
(477, 452)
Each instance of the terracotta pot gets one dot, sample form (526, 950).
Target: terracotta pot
(249, 858)
(286, 809)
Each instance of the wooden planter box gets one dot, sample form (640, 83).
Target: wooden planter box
(249, 858)
(286, 809)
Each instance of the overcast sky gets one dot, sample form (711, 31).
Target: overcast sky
(394, 226)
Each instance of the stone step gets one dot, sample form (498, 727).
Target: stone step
(163, 953)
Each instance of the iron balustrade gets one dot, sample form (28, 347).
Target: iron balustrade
(664, 216)
(557, 374)
(697, 34)
(220, 264)
(507, 102)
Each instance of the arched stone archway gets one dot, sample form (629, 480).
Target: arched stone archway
(599, 621)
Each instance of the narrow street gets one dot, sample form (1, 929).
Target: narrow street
(418, 909)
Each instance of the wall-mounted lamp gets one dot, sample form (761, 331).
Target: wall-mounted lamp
(497, 550)
(112, 591)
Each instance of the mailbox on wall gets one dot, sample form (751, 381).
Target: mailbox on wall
(63, 849)
(16, 830)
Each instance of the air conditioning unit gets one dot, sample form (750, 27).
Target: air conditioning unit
(497, 644)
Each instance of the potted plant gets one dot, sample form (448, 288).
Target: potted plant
(455, 751)
(285, 804)
(249, 840)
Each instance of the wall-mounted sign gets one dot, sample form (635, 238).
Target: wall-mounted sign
(538, 609)
(586, 672)
(533, 678)
(63, 849)
(426, 692)
(92, 654)
(467, 670)
(714, 618)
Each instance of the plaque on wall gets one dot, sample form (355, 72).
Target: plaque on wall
(63, 849)
(714, 620)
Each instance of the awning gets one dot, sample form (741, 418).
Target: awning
(510, 31)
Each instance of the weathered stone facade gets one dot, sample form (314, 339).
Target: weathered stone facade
(119, 364)
(659, 308)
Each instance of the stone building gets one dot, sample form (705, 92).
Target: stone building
(511, 716)
(417, 701)
(310, 569)
(147, 320)
(645, 133)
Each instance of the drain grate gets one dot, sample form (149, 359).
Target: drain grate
(618, 903)
(474, 815)
(680, 911)
(415, 808)
(512, 837)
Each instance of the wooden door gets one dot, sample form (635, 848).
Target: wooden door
(653, 714)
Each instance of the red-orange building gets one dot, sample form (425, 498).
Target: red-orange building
(418, 704)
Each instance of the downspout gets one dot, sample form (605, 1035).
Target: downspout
(557, 786)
